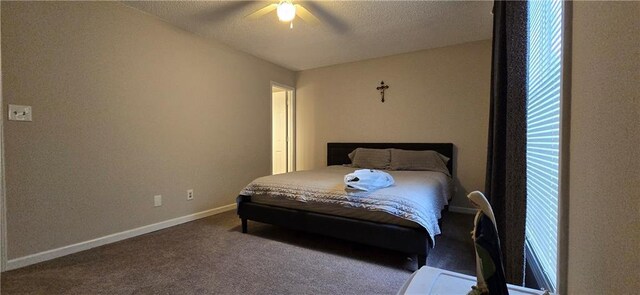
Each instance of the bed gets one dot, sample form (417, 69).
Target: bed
(299, 211)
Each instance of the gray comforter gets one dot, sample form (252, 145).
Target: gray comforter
(417, 196)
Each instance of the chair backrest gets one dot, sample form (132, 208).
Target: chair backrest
(487, 245)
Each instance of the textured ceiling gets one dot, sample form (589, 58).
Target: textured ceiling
(349, 30)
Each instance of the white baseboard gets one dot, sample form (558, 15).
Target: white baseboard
(74, 248)
(464, 210)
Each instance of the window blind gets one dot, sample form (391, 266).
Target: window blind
(544, 77)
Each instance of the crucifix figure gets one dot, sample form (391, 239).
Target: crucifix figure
(382, 88)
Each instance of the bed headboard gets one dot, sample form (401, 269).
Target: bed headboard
(338, 152)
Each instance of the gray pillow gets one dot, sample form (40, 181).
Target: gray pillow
(352, 154)
(371, 158)
(418, 160)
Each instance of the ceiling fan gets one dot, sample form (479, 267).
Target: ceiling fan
(286, 11)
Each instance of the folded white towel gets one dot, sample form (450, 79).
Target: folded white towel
(368, 179)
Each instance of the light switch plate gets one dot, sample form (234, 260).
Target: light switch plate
(157, 200)
(20, 113)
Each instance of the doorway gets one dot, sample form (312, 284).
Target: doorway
(282, 129)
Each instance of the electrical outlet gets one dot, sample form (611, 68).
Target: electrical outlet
(190, 195)
(157, 200)
(20, 113)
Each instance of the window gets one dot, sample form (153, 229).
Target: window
(544, 78)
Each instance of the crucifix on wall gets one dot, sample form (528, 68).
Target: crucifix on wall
(382, 88)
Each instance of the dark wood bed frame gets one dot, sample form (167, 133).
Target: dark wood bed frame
(413, 241)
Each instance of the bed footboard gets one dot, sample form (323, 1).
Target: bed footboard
(415, 241)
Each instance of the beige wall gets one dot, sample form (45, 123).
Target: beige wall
(437, 95)
(604, 203)
(125, 107)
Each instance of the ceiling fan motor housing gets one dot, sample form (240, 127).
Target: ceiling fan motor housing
(286, 11)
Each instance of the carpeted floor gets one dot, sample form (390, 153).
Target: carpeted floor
(211, 255)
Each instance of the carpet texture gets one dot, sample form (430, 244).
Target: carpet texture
(211, 255)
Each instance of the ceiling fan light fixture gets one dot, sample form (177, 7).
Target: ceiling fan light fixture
(286, 11)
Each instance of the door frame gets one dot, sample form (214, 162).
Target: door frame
(3, 203)
(291, 107)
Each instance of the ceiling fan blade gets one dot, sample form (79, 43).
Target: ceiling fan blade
(335, 23)
(262, 11)
(306, 16)
(219, 13)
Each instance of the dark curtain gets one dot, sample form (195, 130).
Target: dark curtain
(506, 157)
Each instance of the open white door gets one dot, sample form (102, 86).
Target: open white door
(282, 123)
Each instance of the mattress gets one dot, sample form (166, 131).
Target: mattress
(332, 209)
(415, 200)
